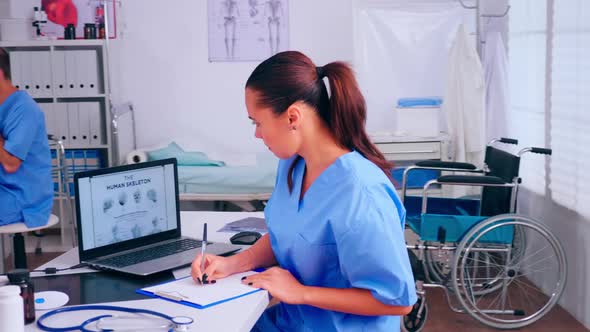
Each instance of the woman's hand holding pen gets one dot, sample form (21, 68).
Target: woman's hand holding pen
(280, 283)
(216, 267)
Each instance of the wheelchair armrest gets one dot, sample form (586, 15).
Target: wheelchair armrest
(462, 180)
(437, 165)
(471, 179)
(446, 164)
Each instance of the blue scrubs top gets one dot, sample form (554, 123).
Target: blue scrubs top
(347, 231)
(27, 195)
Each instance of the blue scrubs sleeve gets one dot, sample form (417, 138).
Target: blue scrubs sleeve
(373, 254)
(18, 131)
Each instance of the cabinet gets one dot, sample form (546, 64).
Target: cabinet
(68, 79)
(406, 151)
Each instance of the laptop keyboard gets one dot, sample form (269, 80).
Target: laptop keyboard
(151, 253)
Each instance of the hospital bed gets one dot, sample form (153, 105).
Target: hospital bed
(203, 180)
(240, 185)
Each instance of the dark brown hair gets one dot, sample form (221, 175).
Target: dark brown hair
(288, 77)
(5, 63)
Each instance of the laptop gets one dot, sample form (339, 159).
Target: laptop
(128, 219)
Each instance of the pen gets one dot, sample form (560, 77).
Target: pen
(203, 249)
(169, 296)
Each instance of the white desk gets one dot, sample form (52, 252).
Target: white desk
(236, 315)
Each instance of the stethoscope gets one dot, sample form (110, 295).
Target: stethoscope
(179, 323)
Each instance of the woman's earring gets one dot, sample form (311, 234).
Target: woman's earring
(293, 128)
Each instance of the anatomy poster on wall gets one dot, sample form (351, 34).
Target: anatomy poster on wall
(247, 30)
(128, 206)
(60, 13)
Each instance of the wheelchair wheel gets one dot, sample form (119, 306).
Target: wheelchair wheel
(414, 321)
(522, 272)
(438, 264)
(486, 263)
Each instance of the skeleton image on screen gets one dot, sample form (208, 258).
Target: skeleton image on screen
(115, 234)
(136, 231)
(127, 205)
(274, 11)
(107, 205)
(230, 15)
(137, 196)
(152, 196)
(122, 198)
(156, 229)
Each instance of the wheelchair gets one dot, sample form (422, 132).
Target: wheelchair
(504, 269)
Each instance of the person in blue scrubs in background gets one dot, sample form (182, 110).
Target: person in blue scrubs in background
(335, 250)
(26, 186)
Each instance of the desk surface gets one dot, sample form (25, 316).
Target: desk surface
(102, 287)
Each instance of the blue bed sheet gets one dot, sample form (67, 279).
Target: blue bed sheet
(227, 179)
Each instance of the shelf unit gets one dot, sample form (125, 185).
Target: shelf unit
(52, 91)
(46, 70)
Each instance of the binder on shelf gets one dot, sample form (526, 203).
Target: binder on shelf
(15, 68)
(49, 113)
(88, 72)
(61, 120)
(73, 123)
(45, 60)
(94, 115)
(36, 72)
(92, 160)
(26, 71)
(84, 124)
(70, 65)
(78, 161)
(58, 73)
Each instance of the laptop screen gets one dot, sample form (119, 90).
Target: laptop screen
(126, 204)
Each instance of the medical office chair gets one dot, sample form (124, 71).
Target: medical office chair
(18, 240)
(481, 251)
(64, 201)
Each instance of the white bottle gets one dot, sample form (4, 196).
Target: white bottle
(12, 316)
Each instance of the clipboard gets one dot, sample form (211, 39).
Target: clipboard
(186, 292)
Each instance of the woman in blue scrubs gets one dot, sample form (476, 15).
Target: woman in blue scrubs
(335, 250)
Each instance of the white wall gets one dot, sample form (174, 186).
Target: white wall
(572, 230)
(18, 8)
(160, 63)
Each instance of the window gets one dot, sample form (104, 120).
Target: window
(569, 132)
(527, 43)
(550, 96)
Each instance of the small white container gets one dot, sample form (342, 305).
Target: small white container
(418, 121)
(12, 314)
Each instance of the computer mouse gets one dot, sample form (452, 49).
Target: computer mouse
(246, 237)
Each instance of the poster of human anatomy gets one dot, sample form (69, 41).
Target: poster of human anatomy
(129, 206)
(247, 30)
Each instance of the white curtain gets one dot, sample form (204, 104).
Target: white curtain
(401, 50)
